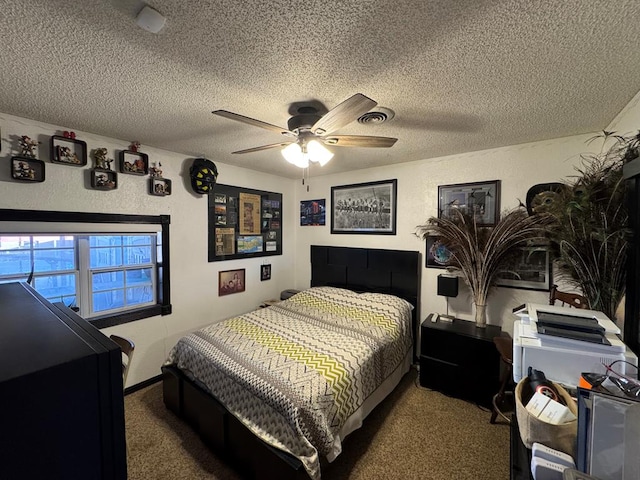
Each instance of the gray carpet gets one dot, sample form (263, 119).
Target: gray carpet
(414, 434)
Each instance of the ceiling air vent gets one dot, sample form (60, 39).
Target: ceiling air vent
(378, 115)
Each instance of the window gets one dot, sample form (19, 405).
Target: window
(118, 272)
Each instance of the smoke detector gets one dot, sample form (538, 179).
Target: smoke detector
(378, 115)
(150, 19)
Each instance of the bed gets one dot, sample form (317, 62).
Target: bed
(278, 389)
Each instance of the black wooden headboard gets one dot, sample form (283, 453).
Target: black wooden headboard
(396, 272)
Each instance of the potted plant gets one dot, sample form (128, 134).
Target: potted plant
(479, 252)
(589, 229)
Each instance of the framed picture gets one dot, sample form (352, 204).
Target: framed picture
(159, 186)
(230, 281)
(312, 212)
(437, 255)
(134, 163)
(104, 179)
(27, 169)
(368, 208)
(265, 272)
(530, 270)
(482, 199)
(68, 151)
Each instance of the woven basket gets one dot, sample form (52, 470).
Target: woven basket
(559, 437)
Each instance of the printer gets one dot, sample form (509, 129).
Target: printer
(564, 342)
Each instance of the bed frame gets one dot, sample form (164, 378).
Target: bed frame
(361, 269)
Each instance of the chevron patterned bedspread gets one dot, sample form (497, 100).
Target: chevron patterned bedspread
(294, 372)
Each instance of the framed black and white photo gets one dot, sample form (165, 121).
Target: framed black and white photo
(482, 199)
(530, 270)
(265, 272)
(365, 208)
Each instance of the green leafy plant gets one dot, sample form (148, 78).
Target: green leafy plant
(589, 229)
(478, 252)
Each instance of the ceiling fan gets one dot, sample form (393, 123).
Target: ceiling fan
(307, 130)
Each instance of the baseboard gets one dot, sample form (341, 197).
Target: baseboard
(141, 385)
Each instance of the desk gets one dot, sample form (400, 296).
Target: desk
(459, 359)
(520, 456)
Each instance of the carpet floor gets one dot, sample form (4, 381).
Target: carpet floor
(415, 433)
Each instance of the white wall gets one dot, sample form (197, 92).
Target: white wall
(517, 167)
(194, 281)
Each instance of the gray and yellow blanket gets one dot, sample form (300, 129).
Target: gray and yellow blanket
(295, 372)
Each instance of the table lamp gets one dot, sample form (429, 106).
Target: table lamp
(447, 287)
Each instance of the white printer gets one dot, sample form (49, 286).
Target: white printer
(564, 342)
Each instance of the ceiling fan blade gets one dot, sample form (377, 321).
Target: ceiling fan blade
(253, 121)
(264, 147)
(342, 114)
(359, 141)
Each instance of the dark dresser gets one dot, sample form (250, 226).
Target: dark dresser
(459, 359)
(61, 398)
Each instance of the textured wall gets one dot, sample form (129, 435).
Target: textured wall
(194, 281)
(518, 167)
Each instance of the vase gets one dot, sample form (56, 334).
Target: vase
(481, 316)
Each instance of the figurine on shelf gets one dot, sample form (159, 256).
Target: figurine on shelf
(102, 162)
(22, 170)
(156, 171)
(27, 146)
(66, 155)
(135, 146)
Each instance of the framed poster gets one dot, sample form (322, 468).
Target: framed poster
(244, 223)
(437, 255)
(249, 213)
(312, 212)
(482, 199)
(530, 270)
(366, 208)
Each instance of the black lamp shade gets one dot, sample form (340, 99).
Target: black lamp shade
(447, 286)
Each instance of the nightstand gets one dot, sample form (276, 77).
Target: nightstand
(459, 359)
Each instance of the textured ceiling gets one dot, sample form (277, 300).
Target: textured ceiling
(460, 75)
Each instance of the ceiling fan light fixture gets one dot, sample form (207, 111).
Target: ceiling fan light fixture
(293, 154)
(318, 153)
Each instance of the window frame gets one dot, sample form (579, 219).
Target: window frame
(163, 291)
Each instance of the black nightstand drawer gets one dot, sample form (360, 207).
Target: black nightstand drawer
(460, 359)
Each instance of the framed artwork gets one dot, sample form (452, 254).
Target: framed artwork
(103, 179)
(159, 186)
(134, 163)
(249, 213)
(265, 272)
(27, 169)
(68, 151)
(230, 281)
(437, 255)
(243, 223)
(312, 212)
(365, 208)
(482, 199)
(530, 270)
